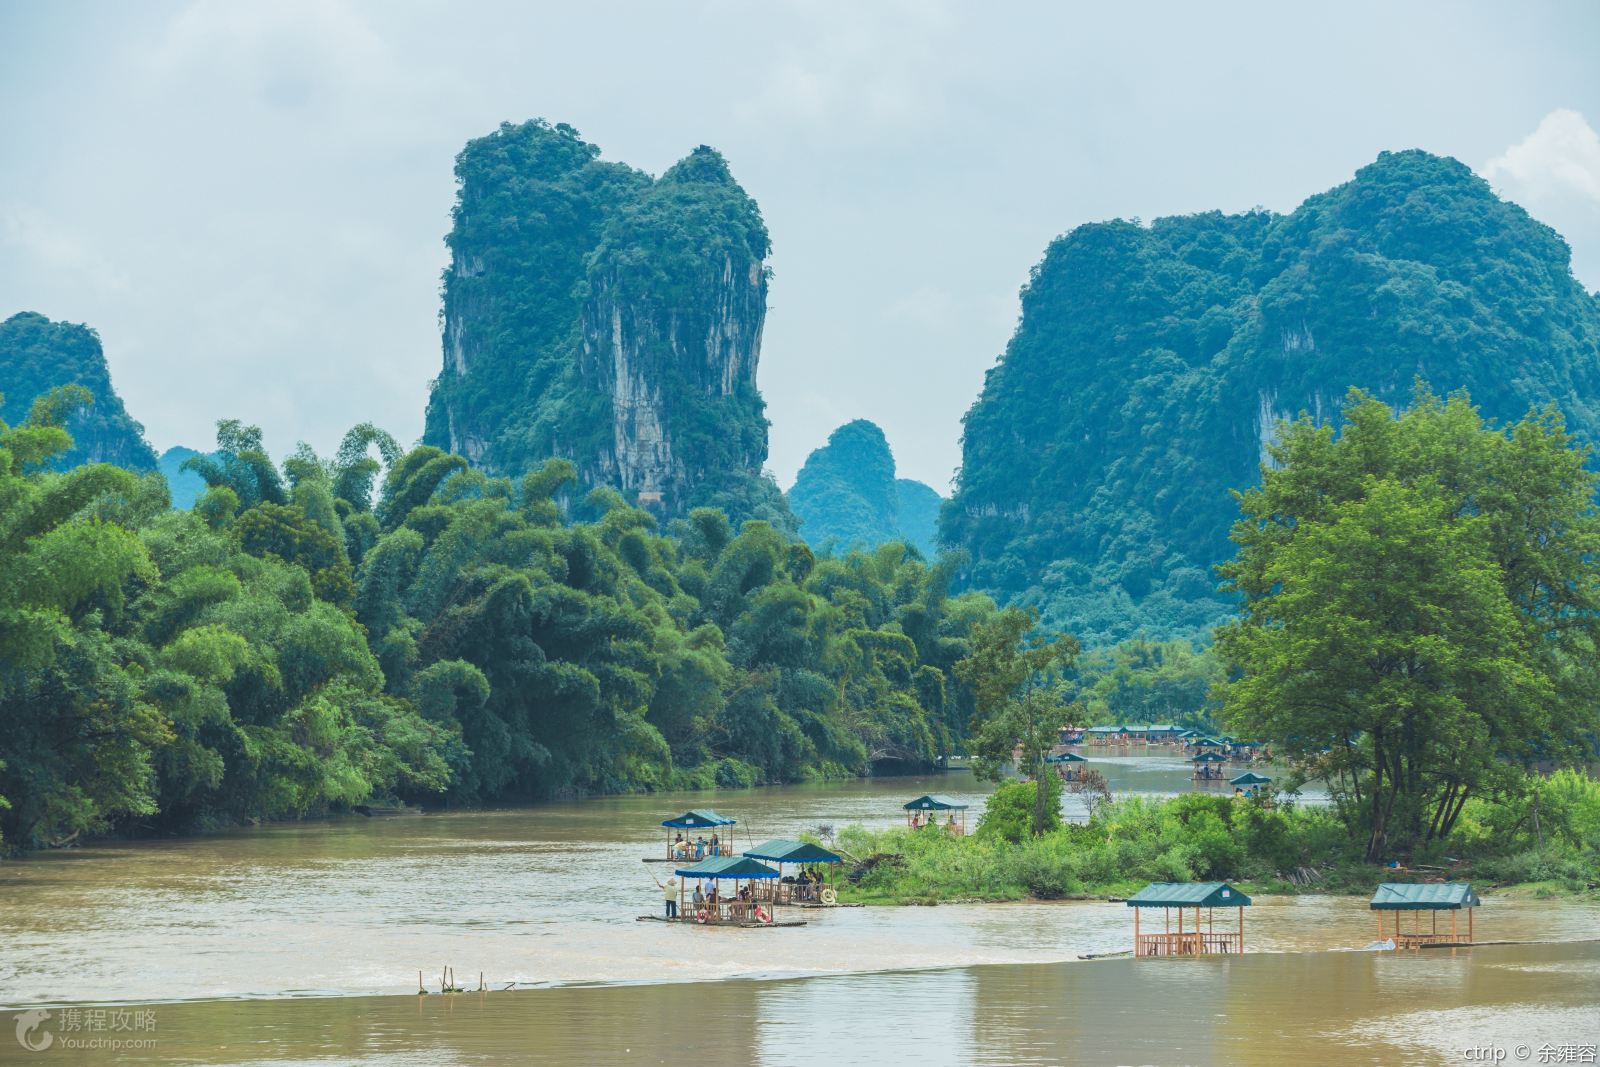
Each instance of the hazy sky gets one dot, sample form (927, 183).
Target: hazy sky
(247, 200)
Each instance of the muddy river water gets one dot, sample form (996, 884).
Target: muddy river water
(301, 944)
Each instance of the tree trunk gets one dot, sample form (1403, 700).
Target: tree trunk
(1039, 794)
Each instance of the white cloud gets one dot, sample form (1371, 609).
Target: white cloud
(1560, 159)
(1554, 172)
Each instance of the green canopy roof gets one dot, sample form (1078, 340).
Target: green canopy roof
(728, 867)
(1066, 757)
(1188, 895)
(1434, 896)
(1210, 757)
(784, 851)
(1246, 744)
(1250, 778)
(698, 819)
(935, 802)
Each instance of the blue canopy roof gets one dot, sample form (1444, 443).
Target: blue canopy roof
(1429, 896)
(935, 802)
(786, 851)
(698, 819)
(1066, 757)
(1188, 895)
(728, 867)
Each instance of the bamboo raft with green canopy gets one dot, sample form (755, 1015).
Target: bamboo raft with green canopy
(1208, 767)
(718, 908)
(1179, 897)
(1069, 765)
(1254, 786)
(924, 810)
(682, 849)
(1419, 897)
(795, 889)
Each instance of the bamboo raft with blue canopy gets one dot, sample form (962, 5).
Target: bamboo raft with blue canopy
(682, 850)
(1419, 897)
(797, 889)
(716, 908)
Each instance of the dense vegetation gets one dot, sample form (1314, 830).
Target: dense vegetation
(1547, 838)
(1152, 362)
(594, 313)
(310, 636)
(36, 355)
(847, 495)
(1422, 611)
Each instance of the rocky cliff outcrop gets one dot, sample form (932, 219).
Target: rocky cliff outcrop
(847, 494)
(36, 355)
(595, 313)
(1152, 362)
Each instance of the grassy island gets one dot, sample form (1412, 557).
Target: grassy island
(1284, 849)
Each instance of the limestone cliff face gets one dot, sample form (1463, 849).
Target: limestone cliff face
(594, 313)
(652, 360)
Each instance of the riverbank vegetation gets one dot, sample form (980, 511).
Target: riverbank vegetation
(312, 635)
(1546, 838)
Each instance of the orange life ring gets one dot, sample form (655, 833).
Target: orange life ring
(761, 915)
(701, 916)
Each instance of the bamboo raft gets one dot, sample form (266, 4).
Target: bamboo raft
(751, 925)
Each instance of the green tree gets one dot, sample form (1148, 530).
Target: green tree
(1018, 712)
(1421, 609)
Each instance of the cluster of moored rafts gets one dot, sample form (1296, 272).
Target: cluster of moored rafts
(1209, 755)
(745, 887)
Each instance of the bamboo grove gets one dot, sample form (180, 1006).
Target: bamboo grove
(389, 624)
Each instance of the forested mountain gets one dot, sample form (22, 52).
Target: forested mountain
(1152, 363)
(919, 514)
(847, 494)
(382, 623)
(184, 484)
(36, 355)
(594, 313)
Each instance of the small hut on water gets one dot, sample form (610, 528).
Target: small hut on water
(683, 848)
(1431, 897)
(1177, 897)
(798, 888)
(924, 811)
